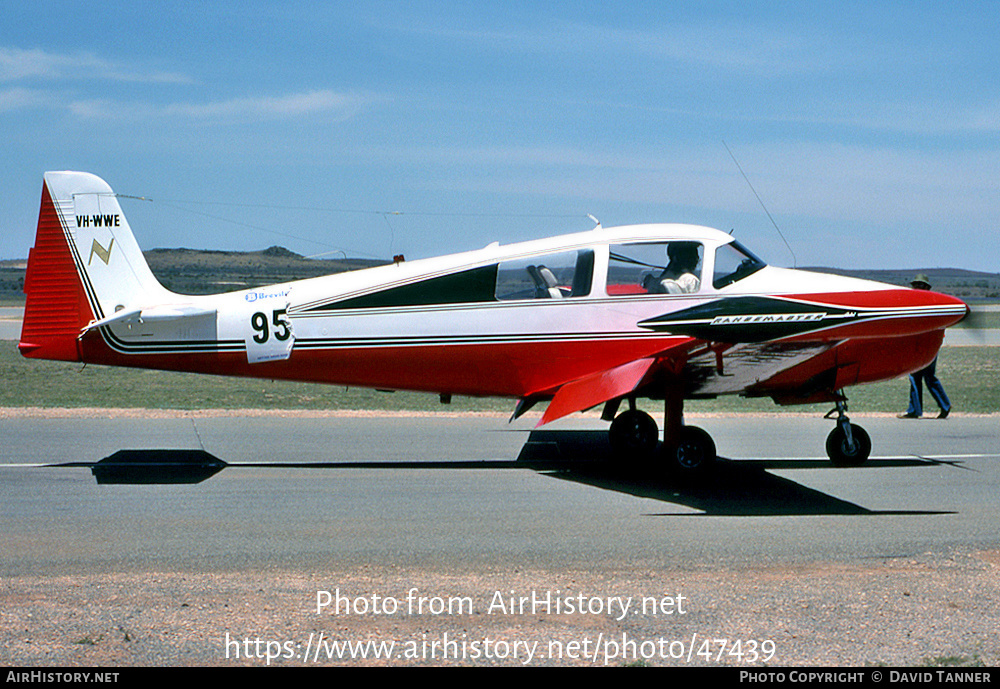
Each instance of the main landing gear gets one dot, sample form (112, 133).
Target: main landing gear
(691, 450)
(634, 433)
(848, 444)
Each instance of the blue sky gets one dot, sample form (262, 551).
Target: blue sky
(870, 130)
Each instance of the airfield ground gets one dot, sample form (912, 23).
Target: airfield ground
(907, 611)
(57, 384)
(893, 564)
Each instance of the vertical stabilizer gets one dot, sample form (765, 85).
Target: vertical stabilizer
(85, 265)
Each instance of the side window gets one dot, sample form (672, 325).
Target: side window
(551, 276)
(655, 268)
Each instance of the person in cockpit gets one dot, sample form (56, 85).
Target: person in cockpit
(681, 274)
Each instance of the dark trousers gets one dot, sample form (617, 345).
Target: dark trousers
(917, 381)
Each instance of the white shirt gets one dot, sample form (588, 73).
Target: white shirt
(684, 284)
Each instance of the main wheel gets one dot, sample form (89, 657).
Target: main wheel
(696, 451)
(841, 453)
(634, 433)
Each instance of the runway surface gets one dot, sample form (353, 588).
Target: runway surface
(472, 492)
(894, 563)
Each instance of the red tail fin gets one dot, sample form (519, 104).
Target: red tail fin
(57, 308)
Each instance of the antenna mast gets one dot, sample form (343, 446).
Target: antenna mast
(740, 168)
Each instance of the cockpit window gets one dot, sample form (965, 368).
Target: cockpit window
(733, 262)
(655, 268)
(561, 275)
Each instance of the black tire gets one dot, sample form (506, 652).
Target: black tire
(634, 433)
(843, 456)
(695, 453)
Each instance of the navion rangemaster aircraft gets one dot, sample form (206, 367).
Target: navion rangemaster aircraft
(667, 312)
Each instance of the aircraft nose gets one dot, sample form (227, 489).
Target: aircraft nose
(955, 301)
(937, 310)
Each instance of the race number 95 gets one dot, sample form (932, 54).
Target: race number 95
(262, 327)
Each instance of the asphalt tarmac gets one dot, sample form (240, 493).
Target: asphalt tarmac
(305, 490)
(468, 541)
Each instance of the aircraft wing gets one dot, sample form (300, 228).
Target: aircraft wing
(725, 369)
(706, 369)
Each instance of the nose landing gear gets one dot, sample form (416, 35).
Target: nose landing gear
(848, 444)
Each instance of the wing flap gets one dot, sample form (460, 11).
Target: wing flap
(591, 390)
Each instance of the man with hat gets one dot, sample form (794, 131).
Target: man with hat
(927, 375)
(680, 275)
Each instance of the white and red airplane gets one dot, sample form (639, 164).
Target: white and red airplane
(667, 312)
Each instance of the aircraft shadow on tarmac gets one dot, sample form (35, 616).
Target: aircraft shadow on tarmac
(731, 488)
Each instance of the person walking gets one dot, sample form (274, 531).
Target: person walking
(926, 376)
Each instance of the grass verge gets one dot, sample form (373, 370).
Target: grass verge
(971, 376)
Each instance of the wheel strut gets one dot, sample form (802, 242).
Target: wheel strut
(844, 423)
(848, 444)
(689, 449)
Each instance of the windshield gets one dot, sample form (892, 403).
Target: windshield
(733, 262)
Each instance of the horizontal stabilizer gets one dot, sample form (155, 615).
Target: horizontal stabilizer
(153, 314)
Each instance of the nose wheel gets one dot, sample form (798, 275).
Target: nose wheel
(848, 444)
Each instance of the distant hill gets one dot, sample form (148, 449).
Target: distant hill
(964, 284)
(196, 271)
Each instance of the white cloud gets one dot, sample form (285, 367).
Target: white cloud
(341, 106)
(855, 184)
(313, 102)
(874, 185)
(17, 64)
(20, 98)
(102, 109)
(934, 118)
(737, 48)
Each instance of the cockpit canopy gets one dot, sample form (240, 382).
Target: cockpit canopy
(630, 268)
(675, 266)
